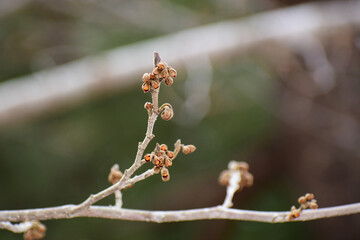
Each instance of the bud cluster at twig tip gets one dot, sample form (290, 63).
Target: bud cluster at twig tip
(37, 231)
(306, 201)
(162, 158)
(246, 178)
(162, 72)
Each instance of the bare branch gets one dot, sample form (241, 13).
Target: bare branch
(218, 212)
(16, 228)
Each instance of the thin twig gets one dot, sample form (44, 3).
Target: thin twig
(16, 228)
(218, 212)
(233, 186)
(118, 199)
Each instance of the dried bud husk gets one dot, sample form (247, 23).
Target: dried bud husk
(154, 84)
(157, 169)
(168, 162)
(224, 178)
(309, 196)
(115, 174)
(148, 105)
(37, 231)
(165, 176)
(188, 149)
(170, 154)
(169, 81)
(167, 113)
(172, 72)
(148, 157)
(146, 77)
(145, 87)
(163, 147)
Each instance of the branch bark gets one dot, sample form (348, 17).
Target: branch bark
(218, 212)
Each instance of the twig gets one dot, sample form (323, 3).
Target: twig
(235, 178)
(16, 228)
(118, 199)
(218, 212)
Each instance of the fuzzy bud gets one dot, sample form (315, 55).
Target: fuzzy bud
(169, 81)
(188, 149)
(165, 176)
(167, 113)
(161, 66)
(158, 161)
(170, 154)
(152, 76)
(115, 174)
(224, 178)
(172, 72)
(302, 200)
(148, 105)
(168, 162)
(157, 169)
(148, 157)
(313, 205)
(154, 84)
(309, 196)
(146, 77)
(164, 74)
(145, 87)
(37, 231)
(163, 147)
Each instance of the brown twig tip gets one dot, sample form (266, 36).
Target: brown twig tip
(37, 231)
(306, 201)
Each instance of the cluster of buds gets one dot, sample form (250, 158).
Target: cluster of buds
(246, 178)
(162, 157)
(37, 231)
(307, 201)
(162, 72)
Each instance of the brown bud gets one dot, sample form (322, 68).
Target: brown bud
(145, 87)
(148, 105)
(170, 154)
(172, 72)
(167, 113)
(169, 81)
(309, 196)
(146, 77)
(115, 174)
(224, 178)
(248, 179)
(156, 71)
(152, 76)
(165, 176)
(157, 169)
(313, 205)
(295, 213)
(164, 74)
(148, 157)
(37, 231)
(158, 161)
(154, 84)
(188, 149)
(168, 162)
(302, 200)
(161, 66)
(163, 147)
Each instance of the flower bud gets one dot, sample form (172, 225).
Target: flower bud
(154, 84)
(157, 170)
(148, 157)
(165, 176)
(313, 205)
(152, 76)
(167, 113)
(302, 200)
(168, 162)
(169, 81)
(115, 174)
(146, 77)
(148, 105)
(145, 87)
(163, 147)
(164, 74)
(161, 66)
(224, 178)
(188, 149)
(172, 72)
(170, 154)
(158, 161)
(37, 231)
(309, 196)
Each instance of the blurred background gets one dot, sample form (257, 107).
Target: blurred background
(271, 82)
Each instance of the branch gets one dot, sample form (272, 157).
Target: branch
(111, 70)
(218, 212)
